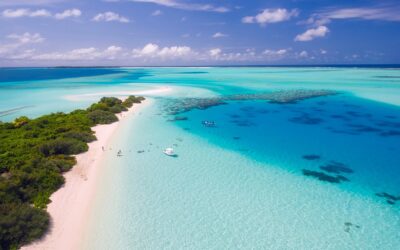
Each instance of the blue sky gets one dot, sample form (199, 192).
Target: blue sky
(198, 32)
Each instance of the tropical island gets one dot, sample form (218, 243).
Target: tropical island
(34, 155)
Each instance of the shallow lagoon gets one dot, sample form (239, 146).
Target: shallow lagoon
(227, 193)
(241, 184)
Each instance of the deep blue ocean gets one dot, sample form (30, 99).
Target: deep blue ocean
(363, 135)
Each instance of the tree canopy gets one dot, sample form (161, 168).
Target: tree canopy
(34, 153)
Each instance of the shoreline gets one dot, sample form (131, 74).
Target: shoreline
(71, 204)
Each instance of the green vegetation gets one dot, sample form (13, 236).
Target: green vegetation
(108, 104)
(21, 224)
(34, 153)
(131, 100)
(102, 117)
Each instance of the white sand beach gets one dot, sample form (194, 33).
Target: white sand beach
(71, 204)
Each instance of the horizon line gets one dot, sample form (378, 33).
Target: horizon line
(365, 65)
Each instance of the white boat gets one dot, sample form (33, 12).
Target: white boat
(208, 123)
(169, 152)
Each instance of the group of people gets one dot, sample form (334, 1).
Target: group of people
(118, 154)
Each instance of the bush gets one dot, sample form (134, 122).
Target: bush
(128, 102)
(8, 125)
(117, 109)
(21, 224)
(110, 104)
(60, 163)
(41, 200)
(19, 122)
(110, 101)
(102, 117)
(67, 146)
(98, 106)
(81, 136)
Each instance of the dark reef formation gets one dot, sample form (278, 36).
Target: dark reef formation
(336, 168)
(332, 172)
(348, 226)
(363, 128)
(177, 106)
(324, 177)
(390, 77)
(311, 157)
(282, 97)
(390, 199)
(390, 133)
(306, 119)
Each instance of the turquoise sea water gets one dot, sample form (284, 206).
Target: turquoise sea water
(242, 183)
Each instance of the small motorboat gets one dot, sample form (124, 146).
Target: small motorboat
(208, 123)
(169, 152)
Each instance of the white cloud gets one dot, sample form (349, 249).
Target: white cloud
(10, 13)
(218, 55)
(68, 13)
(275, 55)
(25, 54)
(90, 53)
(12, 49)
(280, 52)
(248, 55)
(215, 52)
(310, 34)
(156, 13)
(185, 6)
(152, 54)
(219, 35)
(111, 52)
(76, 54)
(303, 54)
(17, 13)
(315, 21)
(113, 49)
(271, 16)
(40, 13)
(175, 51)
(151, 50)
(110, 17)
(19, 49)
(26, 38)
(379, 13)
(388, 13)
